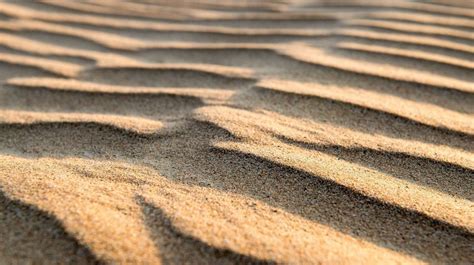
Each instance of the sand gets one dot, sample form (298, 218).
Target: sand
(236, 132)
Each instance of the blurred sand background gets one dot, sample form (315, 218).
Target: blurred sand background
(224, 132)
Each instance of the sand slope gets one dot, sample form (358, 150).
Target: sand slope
(236, 132)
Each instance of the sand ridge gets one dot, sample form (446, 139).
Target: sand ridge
(236, 132)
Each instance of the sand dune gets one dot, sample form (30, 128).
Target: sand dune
(236, 132)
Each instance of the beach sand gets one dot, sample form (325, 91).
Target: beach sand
(236, 132)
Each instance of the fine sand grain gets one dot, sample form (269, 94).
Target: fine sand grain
(236, 132)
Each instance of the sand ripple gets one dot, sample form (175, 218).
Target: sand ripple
(236, 132)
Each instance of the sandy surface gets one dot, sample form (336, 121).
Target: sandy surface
(223, 132)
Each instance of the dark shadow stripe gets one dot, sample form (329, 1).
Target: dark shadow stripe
(27, 227)
(329, 203)
(452, 70)
(74, 139)
(449, 51)
(361, 118)
(161, 105)
(136, 76)
(443, 176)
(432, 88)
(179, 248)
(441, 36)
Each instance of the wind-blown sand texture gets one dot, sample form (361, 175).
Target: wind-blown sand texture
(223, 132)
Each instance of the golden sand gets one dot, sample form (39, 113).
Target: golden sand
(236, 132)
